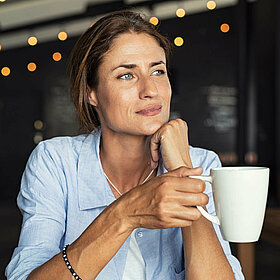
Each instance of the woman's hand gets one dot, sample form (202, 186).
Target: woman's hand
(165, 201)
(171, 140)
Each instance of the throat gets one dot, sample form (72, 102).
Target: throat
(119, 191)
(125, 161)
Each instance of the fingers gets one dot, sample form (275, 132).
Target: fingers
(182, 191)
(177, 216)
(186, 213)
(185, 172)
(171, 141)
(154, 148)
(184, 183)
(192, 199)
(180, 181)
(184, 196)
(168, 200)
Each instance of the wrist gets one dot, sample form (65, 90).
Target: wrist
(183, 161)
(179, 164)
(126, 221)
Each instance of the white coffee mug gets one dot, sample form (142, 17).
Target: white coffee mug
(240, 195)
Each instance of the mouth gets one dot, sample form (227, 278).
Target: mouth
(151, 110)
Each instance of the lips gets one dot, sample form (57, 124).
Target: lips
(151, 110)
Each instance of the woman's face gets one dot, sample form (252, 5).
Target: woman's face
(133, 94)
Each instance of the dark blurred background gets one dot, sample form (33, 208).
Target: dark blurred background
(225, 79)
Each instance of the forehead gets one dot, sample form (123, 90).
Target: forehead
(133, 48)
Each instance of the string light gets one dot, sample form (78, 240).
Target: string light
(5, 71)
(32, 41)
(57, 56)
(180, 12)
(62, 36)
(31, 66)
(0, 47)
(211, 5)
(224, 28)
(38, 124)
(154, 20)
(178, 41)
(38, 137)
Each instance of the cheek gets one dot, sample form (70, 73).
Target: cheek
(166, 92)
(115, 105)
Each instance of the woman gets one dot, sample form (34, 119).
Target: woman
(120, 195)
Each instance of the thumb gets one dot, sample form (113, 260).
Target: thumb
(184, 171)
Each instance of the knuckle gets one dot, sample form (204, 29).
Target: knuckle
(171, 122)
(183, 169)
(164, 184)
(203, 199)
(200, 186)
(158, 196)
(188, 223)
(163, 224)
(164, 180)
(160, 212)
(197, 214)
(181, 121)
(176, 122)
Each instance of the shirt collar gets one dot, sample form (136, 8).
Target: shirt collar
(93, 188)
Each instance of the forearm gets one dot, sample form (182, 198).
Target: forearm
(204, 256)
(89, 254)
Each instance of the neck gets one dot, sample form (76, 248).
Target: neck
(125, 159)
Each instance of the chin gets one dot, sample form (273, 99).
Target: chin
(151, 129)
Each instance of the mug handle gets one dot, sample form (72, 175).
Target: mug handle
(211, 218)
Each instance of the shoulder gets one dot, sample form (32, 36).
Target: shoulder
(62, 143)
(205, 158)
(64, 146)
(57, 151)
(57, 146)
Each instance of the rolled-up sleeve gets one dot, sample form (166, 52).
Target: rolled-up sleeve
(213, 162)
(41, 201)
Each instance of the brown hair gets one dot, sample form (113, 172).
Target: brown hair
(89, 51)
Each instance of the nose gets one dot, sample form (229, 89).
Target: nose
(147, 88)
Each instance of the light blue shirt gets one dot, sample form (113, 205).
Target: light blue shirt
(63, 190)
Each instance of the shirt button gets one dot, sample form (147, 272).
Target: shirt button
(140, 234)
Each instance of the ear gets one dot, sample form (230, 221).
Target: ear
(92, 96)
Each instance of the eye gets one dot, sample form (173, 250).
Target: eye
(127, 76)
(158, 72)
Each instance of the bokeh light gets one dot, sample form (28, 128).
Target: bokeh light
(154, 20)
(38, 124)
(180, 12)
(178, 41)
(211, 5)
(38, 137)
(31, 66)
(57, 56)
(5, 71)
(224, 28)
(32, 41)
(62, 36)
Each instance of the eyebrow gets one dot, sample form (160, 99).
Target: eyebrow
(131, 66)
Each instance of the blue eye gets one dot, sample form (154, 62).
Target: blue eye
(158, 72)
(127, 76)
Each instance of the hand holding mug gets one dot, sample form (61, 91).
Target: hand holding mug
(165, 201)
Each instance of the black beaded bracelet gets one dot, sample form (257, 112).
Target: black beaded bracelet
(64, 255)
